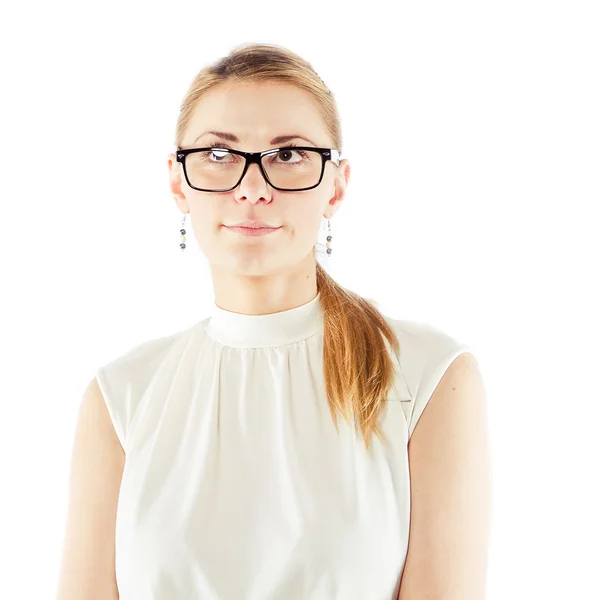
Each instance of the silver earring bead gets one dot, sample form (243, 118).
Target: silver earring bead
(329, 238)
(182, 232)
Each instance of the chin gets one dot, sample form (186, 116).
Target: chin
(248, 263)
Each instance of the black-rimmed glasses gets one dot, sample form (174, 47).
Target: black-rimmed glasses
(290, 168)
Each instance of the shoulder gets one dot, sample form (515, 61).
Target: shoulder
(425, 349)
(422, 339)
(129, 372)
(125, 379)
(148, 353)
(425, 354)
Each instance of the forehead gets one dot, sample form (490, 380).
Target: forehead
(257, 111)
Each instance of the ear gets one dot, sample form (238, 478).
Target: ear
(342, 177)
(176, 183)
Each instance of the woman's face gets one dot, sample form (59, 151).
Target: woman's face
(256, 114)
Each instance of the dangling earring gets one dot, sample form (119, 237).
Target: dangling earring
(182, 232)
(329, 238)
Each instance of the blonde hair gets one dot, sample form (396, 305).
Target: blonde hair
(358, 370)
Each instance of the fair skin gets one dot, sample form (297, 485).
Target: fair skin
(449, 449)
(451, 491)
(449, 455)
(259, 275)
(88, 557)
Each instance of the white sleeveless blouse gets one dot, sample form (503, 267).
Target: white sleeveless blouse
(237, 485)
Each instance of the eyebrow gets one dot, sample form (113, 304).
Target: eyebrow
(280, 139)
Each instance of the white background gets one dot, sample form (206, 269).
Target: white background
(473, 132)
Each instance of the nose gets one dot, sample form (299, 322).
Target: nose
(253, 186)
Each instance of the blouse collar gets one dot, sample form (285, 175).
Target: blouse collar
(274, 329)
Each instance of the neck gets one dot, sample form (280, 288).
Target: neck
(275, 292)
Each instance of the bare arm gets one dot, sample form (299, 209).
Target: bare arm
(98, 459)
(450, 468)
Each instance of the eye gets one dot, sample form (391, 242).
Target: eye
(218, 153)
(288, 151)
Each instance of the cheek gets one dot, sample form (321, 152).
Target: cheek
(304, 229)
(206, 216)
(206, 230)
(306, 216)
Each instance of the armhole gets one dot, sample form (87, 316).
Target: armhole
(429, 385)
(116, 412)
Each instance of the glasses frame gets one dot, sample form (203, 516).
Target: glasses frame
(256, 157)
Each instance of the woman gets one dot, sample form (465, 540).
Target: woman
(212, 463)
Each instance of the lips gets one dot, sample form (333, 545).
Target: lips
(254, 225)
(253, 231)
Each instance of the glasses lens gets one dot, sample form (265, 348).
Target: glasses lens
(293, 169)
(290, 169)
(214, 169)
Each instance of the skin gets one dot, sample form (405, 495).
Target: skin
(449, 454)
(451, 491)
(87, 567)
(259, 275)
